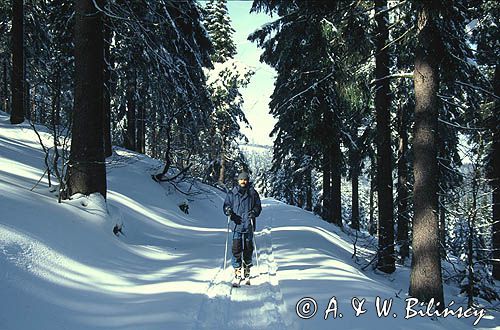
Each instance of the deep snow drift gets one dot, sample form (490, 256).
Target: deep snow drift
(63, 268)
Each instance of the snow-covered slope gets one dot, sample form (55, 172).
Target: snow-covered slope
(63, 268)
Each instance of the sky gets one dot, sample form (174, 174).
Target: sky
(257, 94)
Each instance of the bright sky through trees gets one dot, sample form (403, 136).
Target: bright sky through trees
(258, 92)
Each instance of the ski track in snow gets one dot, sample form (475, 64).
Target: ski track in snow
(258, 306)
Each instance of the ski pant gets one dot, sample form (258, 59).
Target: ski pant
(237, 249)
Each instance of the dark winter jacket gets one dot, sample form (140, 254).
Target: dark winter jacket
(241, 204)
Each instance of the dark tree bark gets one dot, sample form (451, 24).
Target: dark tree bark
(426, 278)
(355, 163)
(168, 161)
(107, 92)
(495, 183)
(87, 171)
(309, 192)
(327, 163)
(5, 100)
(336, 194)
(154, 134)
(141, 125)
(386, 261)
(355, 199)
(326, 212)
(28, 105)
(442, 227)
(403, 194)
(471, 229)
(332, 163)
(372, 229)
(130, 134)
(17, 84)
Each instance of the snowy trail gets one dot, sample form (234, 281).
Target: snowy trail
(64, 268)
(258, 306)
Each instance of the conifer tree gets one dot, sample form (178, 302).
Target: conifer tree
(18, 102)
(4, 56)
(426, 279)
(218, 25)
(308, 100)
(486, 35)
(224, 84)
(386, 261)
(87, 170)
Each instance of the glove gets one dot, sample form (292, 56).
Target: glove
(251, 214)
(235, 218)
(228, 211)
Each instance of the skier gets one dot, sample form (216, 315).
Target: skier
(242, 205)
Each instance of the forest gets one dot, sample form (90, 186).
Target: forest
(388, 112)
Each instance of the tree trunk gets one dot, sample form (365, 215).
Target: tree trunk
(327, 163)
(108, 151)
(154, 135)
(54, 124)
(130, 135)
(326, 214)
(291, 200)
(495, 182)
(471, 224)
(17, 85)
(141, 125)
(336, 195)
(386, 261)
(168, 161)
(442, 227)
(87, 171)
(426, 278)
(141, 129)
(28, 105)
(354, 160)
(5, 100)
(309, 193)
(373, 187)
(403, 194)
(355, 199)
(300, 200)
(222, 170)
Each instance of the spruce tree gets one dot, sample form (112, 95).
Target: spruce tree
(218, 25)
(308, 100)
(108, 33)
(224, 83)
(386, 261)
(303, 107)
(486, 35)
(495, 182)
(17, 33)
(87, 170)
(157, 66)
(5, 56)
(426, 279)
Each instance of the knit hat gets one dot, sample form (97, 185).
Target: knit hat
(243, 176)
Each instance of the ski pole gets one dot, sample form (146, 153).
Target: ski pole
(255, 244)
(243, 254)
(227, 238)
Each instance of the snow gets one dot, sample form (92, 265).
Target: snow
(222, 72)
(63, 268)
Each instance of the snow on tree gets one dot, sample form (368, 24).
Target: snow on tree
(224, 83)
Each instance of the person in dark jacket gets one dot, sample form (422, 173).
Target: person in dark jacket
(242, 205)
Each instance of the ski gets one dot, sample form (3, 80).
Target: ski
(236, 282)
